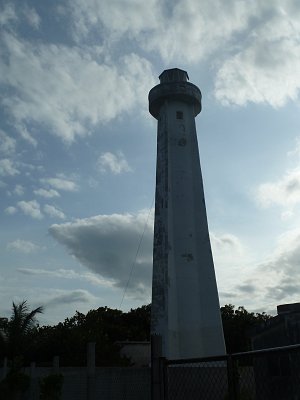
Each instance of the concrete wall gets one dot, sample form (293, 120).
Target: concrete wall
(104, 384)
(137, 352)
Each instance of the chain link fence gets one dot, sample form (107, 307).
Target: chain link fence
(272, 374)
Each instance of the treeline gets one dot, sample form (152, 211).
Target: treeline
(106, 327)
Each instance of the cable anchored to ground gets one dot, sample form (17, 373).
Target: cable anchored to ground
(136, 254)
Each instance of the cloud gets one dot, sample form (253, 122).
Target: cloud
(48, 194)
(107, 245)
(60, 184)
(8, 14)
(66, 274)
(284, 192)
(194, 31)
(7, 144)
(175, 30)
(247, 288)
(271, 282)
(296, 149)
(89, 16)
(54, 212)
(32, 17)
(19, 190)
(226, 241)
(283, 268)
(7, 168)
(69, 297)
(270, 51)
(23, 131)
(227, 249)
(23, 246)
(10, 210)
(31, 208)
(115, 163)
(82, 90)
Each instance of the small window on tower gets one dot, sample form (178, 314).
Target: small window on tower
(179, 115)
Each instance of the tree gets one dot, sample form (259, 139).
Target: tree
(18, 330)
(105, 326)
(237, 324)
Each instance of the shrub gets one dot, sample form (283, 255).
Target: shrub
(15, 383)
(51, 387)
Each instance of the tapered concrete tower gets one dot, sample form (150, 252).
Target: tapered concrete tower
(185, 303)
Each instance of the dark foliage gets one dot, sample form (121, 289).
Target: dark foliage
(51, 387)
(17, 334)
(237, 324)
(14, 383)
(104, 326)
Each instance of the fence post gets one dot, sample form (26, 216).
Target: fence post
(55, 365)
(4, 371)
(232, 374)
(91, 369)
(158, 388)
(163, 378)
(33, 382)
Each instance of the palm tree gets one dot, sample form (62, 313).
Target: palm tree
(16, 336)
(3, 326)
(22, 322)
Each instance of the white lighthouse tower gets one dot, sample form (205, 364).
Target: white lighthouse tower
(185, 304)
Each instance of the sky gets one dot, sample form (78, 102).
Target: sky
(78, 147)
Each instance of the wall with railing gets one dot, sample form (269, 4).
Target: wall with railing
(87, 383)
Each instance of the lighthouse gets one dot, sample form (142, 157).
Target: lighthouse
(185, 303)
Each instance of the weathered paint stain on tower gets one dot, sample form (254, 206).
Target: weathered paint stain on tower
(185, 305)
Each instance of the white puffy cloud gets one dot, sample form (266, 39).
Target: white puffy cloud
(31, 208)
(48, 194)
(81, 89)
(282, 268)
(115, 163)
(268, 283)
(266, 68)
(19, 190)
(8, 168)
(7, 14)
(132, 18)
(226, 242)
(10, 14)
(228, 251)
(54, 212)
(7, 144)
(10, 210)
(232, 261)
(185, 29)
(23, 246)
(253, 46)
(24, 133)
(32, 17)
(60, 183)
(192, 30)
(107, 245)
(284, 192)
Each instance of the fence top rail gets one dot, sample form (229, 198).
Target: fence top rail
(233, 355)
(196, 360)
(264, 351)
